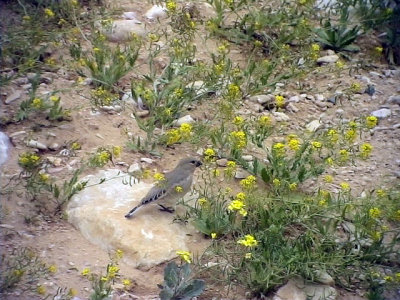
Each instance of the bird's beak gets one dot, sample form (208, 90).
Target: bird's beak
(198, 163)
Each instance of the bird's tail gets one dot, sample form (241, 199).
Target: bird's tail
(132, 211)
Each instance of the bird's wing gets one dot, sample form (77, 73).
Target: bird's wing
(154, 194)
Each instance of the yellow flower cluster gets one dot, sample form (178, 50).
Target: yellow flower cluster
(41, 290)
(185, 256)
(371, 122)
(181, 134)
(171, 6)
(49, 13)
(37, 103)
(264, 121)
(333, 136)
(116, 150)
(127, 283)
(101, 158)
(233, 91)
(28, 160)
(366, 150)
(381, 193)
(238, 120)
(178, 189)
(238, 139)
(294, 144)
(279, 101)
(316, 145)
(209, 154)
(355, 87)
(279, 150)
(350, 135)
(339, 64)
(249, 182)
(378, 50)
(343, 155)
(202, 201)
(345, 186)
(230, 168)
(112, 271)
(213, 235)
(314, 53)
(85, 272)
(248, 241)
(44, 177)
(276, 182)
(159, 177)
(328, 179)
(293, 186)
(375, 213)
(238, 205)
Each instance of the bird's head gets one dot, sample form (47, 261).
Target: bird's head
(190, 162)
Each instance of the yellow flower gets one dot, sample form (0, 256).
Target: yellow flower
(353, 125)
(258, 43)
(379, 50)
(233, 91)
(366, 150)
(215, 172)
(85, 272)
(159, 177)
(52, 268)
(104, 278)
(376, 235)
(41, 290)
(209, 154)
(238, 121)
(173, 136)
(202, 201)
(330, 161)
(248, 241)
(44, 177)
(380, 193)
(236, 205)
(293, 186)
(278, 149)
(339, 64)
(328, 179)
(316, 145)
(315, 47)
(279, 101)
(213, 235)
(96, 50)
(72, 292)
(26, 18)
(37, 103)
(54, 98)
(249, 182)
(333, 136)
(248, 255)
(243, 212)
(375, 213)
(322, 202)
(344, 155)
(240, 196)
(355, 87)
(345, 186)
(49, 13)
(76, 146)
(112, 271)
(238, 139)
(74, 2)
(153, 37)
(371, 122)
(350, 135)
(276, 182)
(119, 253)
(171, 6)
(222, 49)
(231, 168)
(185, 256)
(178, 189)
(264, 121)
(388, 278)
(127, 283)
(185, 130)
(294, 144)
(397, 276)
(117, 150)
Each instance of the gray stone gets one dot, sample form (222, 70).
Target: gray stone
(323, 277)
(262, 99)
(292, 108)
(14, 96)
(146, 160)
(185, 119)
(375, 74)
(222, 162)
(319, 97)
(130, 15)
(248, 157)
(55, 161)
(123, 30)
(147, 239)
(142, 113)
(280, 116)
(320, 292)
(291, 291)
(36, 144)
(313, 126)
(134, 168)
(294, 99)
(328, 59)
(339, 112)
(241, 174)
(21, 81)
(395, 99)
(382, 113)
(156, 12)
(321, 104)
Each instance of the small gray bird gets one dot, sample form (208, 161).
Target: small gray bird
(181, 176)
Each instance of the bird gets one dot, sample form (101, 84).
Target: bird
(181, 176)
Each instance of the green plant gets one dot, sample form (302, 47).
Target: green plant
(179, 284)
(338, 37)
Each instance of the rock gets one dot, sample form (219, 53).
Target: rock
(142, 113)
(36, 144)
(320, 104)
(111, 108)
(263, 99)
(247, 157)
(313, 126)
(55, 161)
(329, 59)
(7, 226)
(134, 168)
(339, 112)
(241, 174)
(185, 119)
(319, 97)
(320, 292)
(222, 162)
(370, 90)
(395, 99)
(280, 116)
(382, 113)
(290, 291)
(375, 74)
(156, 12)
(199, 87)
(14, 96)
(122, 31)
(54, 146)
(27, 86)
(146, 160)
(323, 277)
(294, 99)
(147, 239)
(4, 146)
(292, 108)
(131, 15)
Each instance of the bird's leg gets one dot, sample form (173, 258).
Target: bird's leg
(167, 209)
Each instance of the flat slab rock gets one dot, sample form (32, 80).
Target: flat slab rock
(147, 239)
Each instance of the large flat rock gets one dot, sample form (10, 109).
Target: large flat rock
(147, 239)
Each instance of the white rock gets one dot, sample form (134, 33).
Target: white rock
(241, 174)
(280, 116)
(261, 99)
(319, 97)
(328, 59)
(146, 160)
(142, 113)
(248, 157)
(55, 161)
(185, 119)
(292, 108)
(133, 168)
(395, 99)
(323, 277)
(122, 30)
(147, 239)
(318, 292)
(290, 291)
(14, 96)
(382, 113)
(313, 126)
(130, 15)
(157, 11)
(36, 144)
(223, 162)
(4, 146)
(54, 146)
(294, 99)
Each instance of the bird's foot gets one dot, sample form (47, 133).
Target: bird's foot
(167, 209)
